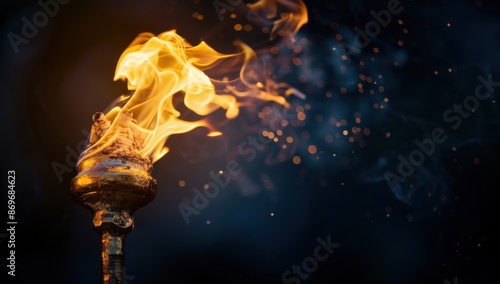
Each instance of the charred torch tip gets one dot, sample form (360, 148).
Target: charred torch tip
(97, 116)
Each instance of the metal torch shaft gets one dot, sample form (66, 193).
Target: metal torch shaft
(113, 257)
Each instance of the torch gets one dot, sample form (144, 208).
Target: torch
(113, 184)
(114, 170)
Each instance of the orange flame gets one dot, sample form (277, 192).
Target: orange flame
(157, 68)
(290, 20)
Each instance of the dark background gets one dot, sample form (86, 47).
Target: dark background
(437, 227)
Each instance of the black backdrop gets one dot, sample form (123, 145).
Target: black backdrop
(436, 226)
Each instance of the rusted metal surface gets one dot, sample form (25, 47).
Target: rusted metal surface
(113, 257)
(113, 188)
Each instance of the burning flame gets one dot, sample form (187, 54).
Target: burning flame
(158, 68)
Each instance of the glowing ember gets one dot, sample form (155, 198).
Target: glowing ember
(214, 134)
(163, 69)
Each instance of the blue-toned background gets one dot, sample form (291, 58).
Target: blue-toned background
(365, 107)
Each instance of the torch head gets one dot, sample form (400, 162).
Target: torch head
(113, 188)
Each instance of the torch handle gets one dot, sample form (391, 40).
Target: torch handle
(113, 257)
